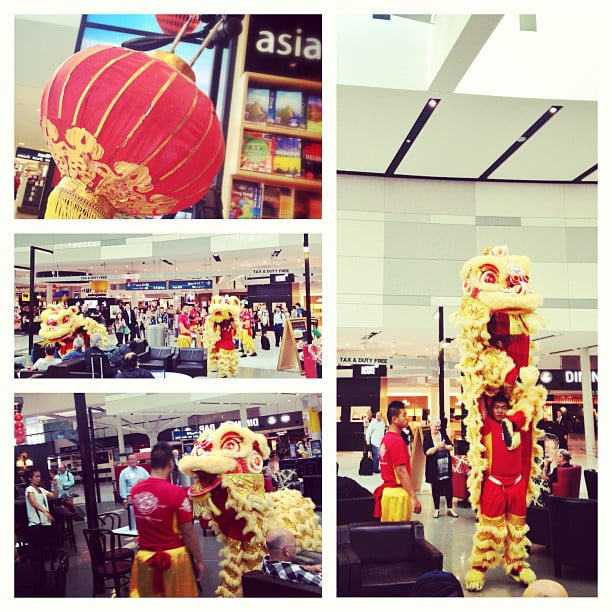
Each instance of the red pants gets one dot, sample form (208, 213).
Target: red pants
(499, 500)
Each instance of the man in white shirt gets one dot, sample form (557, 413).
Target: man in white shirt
(132, 474)
(374, 436)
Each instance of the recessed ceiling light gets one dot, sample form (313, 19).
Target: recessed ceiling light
(553, 109)
(432, 103)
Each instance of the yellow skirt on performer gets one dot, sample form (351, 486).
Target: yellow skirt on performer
(183, 341)
(396, 505)
(179, 578)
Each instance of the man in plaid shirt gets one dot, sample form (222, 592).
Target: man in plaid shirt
(281, 545)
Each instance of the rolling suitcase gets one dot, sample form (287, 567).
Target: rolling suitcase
(265, 343)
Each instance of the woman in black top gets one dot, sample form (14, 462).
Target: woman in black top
(438, 469)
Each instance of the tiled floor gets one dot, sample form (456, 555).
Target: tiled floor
(453, 536)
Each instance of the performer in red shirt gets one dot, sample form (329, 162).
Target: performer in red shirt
(184, 337)
(395, 499)
(246, 335)
(166, 536)
(503, 506)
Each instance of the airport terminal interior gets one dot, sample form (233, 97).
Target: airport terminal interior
(120, 428)
(155, 277)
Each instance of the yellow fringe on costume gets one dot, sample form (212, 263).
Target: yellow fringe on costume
(227, 363)
(179, 579)
(488, 542)
(396, 505)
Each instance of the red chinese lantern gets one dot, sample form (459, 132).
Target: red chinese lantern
(171, 24)
(131, 134)
(19, 426)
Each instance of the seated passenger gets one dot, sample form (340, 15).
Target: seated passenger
(77, 349)
(281, 545)
(43, 363)
(95, 357)
(131, 369)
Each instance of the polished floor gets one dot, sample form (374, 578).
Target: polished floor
(263, 365)
(453, 536)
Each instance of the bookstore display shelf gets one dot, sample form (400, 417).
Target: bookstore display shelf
(282, 131)
(278, 180)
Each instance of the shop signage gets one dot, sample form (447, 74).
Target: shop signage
(363, 360)
(93, 278)
(271, 271)
(365, 371)
(146, 286)
(282, 278)
(565, 379)
(203, 283)
(285, 45)
(24, 153)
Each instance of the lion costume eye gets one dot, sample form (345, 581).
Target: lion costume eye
(488, 277)
(231, 443)
(255, 462)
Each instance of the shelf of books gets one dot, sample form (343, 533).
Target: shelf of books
(278, 174)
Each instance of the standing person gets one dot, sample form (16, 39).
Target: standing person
(279, 323)
(167, 540)
(132, 321)
(65, 481)
(367, 419)
(176, 475)
(184, 332)
(374, 436)
(438, 472)
(39, 519)
(130, 476)
(503, 499)
(118, 327)
(395, 499)
(246, 333)
(264, 319)
(142, 322)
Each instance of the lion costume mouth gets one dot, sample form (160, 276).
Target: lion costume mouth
(206, 483)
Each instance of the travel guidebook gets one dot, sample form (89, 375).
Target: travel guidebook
(287, 159)
(276, 202)
(257, 152)
(257, 105)
(289, 110)
(245, 201)
(314, 114)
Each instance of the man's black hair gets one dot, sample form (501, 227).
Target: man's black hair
(394, 409)
(161, 456)
(131, 360)
(500, 396)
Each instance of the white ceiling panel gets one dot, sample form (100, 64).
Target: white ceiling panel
(465, 134)
(371, 125)
(561, 150)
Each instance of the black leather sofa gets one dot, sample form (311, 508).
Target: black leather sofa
(257, 584)
(383, 560)
(190, 361)
(157, 359)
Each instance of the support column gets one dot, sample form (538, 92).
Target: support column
(119, 428)
(243, 415)
(587, 406)
(91, 507)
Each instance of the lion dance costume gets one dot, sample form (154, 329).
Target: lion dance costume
(229, 493)
(497, 317)
(61, 324)
(221, 326)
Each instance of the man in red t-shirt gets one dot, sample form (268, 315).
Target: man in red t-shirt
(503, 499)
(395, 498)
(167, 540)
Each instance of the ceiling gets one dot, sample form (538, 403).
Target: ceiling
(493, 81)
(161, 408)
(139, 256)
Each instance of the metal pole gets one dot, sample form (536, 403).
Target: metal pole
(215, 77)
(91, 507)
(441, 415)
(33, 250)
(307, 279)
(92, 436)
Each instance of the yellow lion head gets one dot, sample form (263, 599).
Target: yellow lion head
(231, 449)
(58, 322)
(500, 281)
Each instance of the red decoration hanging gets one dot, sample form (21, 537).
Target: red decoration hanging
(130, 134)
(171, 24)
